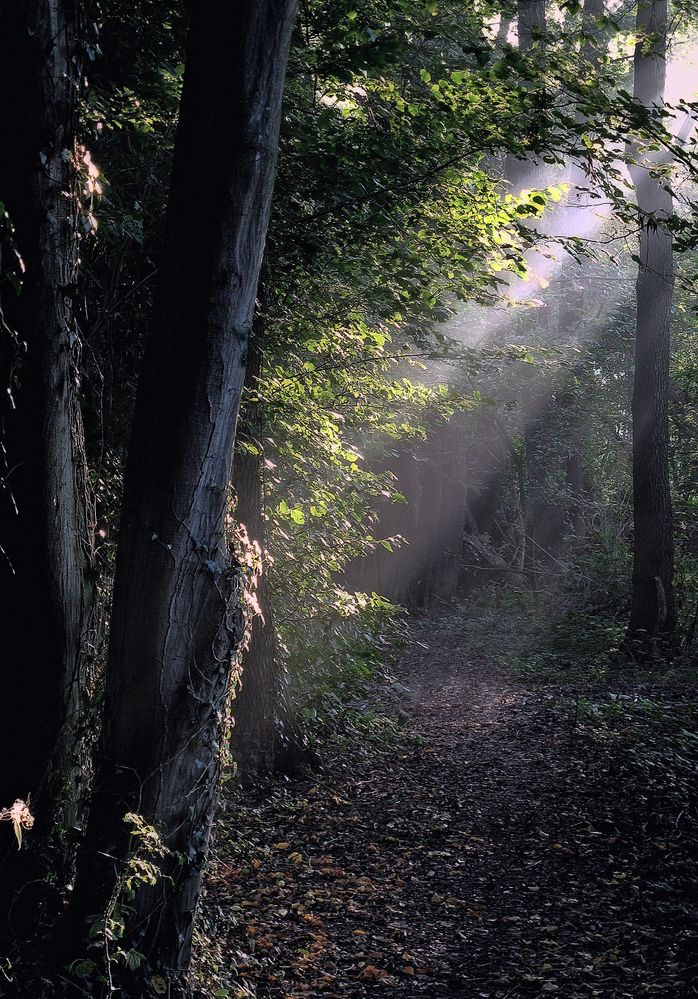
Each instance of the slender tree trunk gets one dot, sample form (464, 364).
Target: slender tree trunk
(176, 614)
(264, 737)
(653, 613)
(44, 543)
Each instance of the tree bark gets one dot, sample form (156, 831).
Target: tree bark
(44, 539)
(264, 736)
(176, 619)
(653, 612)
(532, 22)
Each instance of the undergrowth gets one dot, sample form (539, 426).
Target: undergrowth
(338, 669)
(546, 637)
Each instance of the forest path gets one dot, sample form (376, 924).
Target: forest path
(479, 858)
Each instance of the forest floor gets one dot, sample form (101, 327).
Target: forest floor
(495, 850)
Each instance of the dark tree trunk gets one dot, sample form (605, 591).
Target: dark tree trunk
(653, 613)
(264, 736)
(176, 614)
(532, 22)
(44, 540)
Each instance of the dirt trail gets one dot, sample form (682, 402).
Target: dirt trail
(483, 858)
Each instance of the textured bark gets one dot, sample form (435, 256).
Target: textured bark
(532, 22)
(264, 737)
(653, 613)
(44, 546)
(176, 614)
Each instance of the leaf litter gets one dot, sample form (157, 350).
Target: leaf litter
(499, 849)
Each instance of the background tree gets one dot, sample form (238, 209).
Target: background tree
(653, 613)
(531, 22)
(265, 734)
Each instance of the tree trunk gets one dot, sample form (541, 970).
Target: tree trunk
(264, 737)
(532, 22)
(505, 21)
(528, 172)
(44, 539)
(176, 613)
(447, 516)
(595, 34)
(653, 613)
(594, 42)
